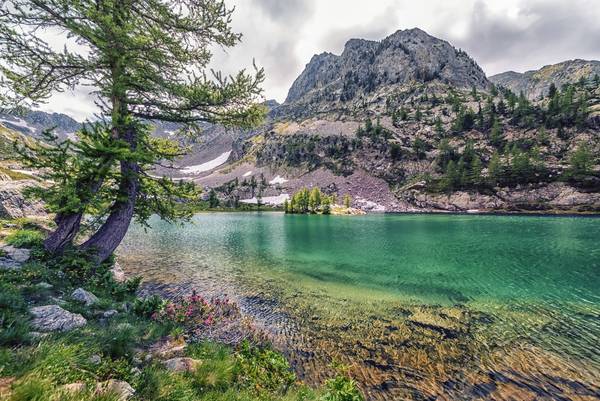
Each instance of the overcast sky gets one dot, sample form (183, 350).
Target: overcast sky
(501, 35)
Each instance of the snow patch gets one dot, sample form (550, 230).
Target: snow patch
(72, 136)
(19, 123)
(209, 165)
(249, 173)
(269, 200)
(278, 180)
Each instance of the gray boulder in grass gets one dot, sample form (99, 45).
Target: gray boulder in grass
(55, 318)
(85, 297)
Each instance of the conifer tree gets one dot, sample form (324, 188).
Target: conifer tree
(147, 61)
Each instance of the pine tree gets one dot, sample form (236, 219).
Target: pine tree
(147, 62)
(439, 128)
(347, 201)
(496, 136)
(213, 200)
(552, 91)
(314, 201)
(286, 206)
(326, 205)
(495, 171)
(581, 162)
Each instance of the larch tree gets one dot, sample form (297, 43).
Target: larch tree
(147, 61)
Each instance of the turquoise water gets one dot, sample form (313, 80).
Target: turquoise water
(432, 258)
(512, 287)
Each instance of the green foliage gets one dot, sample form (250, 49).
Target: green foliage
(213, 201)
(420, 148)
(106, 172)
(516, 166)
(25, 238)
(347, 201)
(263, 370)
(496, 135)
(300, 202)
(581, 162)
(341, 388)
(314, 200)
(147, 307)
(326, 205)
(375, 131)
(396, 151)
(465, 120)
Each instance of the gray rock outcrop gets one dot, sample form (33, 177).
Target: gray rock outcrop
(122, 389)
(13, 204)
(55, 318)
(182, 364)
(85, 297)
(406, 56)
(536, 83)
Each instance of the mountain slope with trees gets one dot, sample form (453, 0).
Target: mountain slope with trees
(418, 119)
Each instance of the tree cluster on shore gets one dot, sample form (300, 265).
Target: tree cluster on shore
(313, 201)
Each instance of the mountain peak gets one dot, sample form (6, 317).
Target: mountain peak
(365, 66)
(536, 83)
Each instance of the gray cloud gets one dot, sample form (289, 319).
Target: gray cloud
(281, 35)
(544, 32)
(377, 28)
(289, 11)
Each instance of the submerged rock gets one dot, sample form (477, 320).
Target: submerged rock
(55, 318)
(84, 296)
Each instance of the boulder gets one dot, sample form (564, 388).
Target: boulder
(9, 264)
(118, 273)
(122, 389)
(55, 318)
(109, 313)
(13, 204)
(19, 255)
(182, 364)
(85, 297)
(73, 388)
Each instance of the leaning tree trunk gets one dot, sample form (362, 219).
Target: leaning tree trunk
(67, 227)
(104, 242)
(68, 224)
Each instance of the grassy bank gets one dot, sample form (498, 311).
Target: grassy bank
(128, 339)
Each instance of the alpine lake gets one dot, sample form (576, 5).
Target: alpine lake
(418, 307)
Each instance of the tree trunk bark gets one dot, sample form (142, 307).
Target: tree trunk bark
(67, 224)
(67, 227)
(104, 242)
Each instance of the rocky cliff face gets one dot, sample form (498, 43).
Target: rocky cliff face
(535, 84)
(365, 68)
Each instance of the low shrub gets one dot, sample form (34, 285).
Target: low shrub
(25, 239)
(262, 369)
(148, 307)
